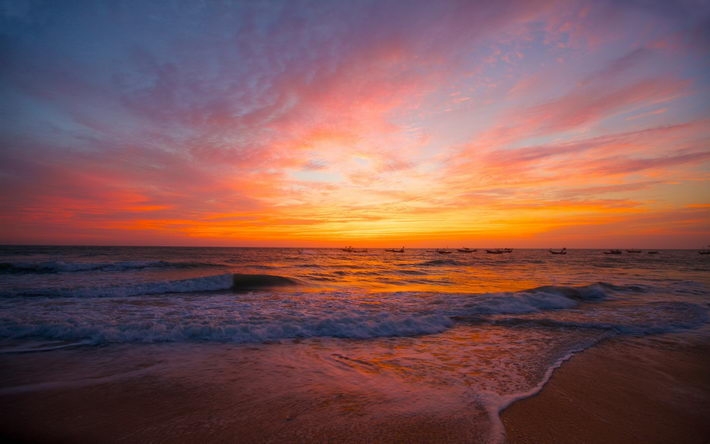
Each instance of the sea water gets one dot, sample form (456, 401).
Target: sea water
(370, 335)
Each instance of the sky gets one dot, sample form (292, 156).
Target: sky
(513, 123)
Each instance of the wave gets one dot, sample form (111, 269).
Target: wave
(654, 318)
(169, 316)
(42, 346)
(439, 262)
(75, 267)
(412, 272)
(154, 329)
(629, 288)
(225, 282)
(592, 292)
(530, 301)
(242, 282)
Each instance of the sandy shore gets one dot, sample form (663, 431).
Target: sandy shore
(650, 390)
(643, 390)
(218, 394)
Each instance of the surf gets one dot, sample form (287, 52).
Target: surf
(211, 283)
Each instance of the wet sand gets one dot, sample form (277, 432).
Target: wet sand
(648, 390)
(217, 394)
(644, 390)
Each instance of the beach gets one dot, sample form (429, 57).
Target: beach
(624, 391)
(216, 394)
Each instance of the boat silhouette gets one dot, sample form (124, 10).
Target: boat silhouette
(350, 249)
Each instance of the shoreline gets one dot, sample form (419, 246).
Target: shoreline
(624, 390)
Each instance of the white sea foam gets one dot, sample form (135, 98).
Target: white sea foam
(168, 316)
(181, 321)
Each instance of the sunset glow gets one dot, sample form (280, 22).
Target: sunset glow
(369, 123)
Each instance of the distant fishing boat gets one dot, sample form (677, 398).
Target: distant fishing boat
(496, 251)
(633, 251)
(562, 251)
(653, 252)
(466, 250)
(612, 252)
(705, 251)
(442, 251)
(395, 250)
(354, 250)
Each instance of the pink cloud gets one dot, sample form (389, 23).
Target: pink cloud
(624, 165)
(629, 166)
(585, 107)
(296, 116)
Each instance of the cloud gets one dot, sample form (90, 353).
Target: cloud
(584, 107)
(622, 165)
(628, 62)
(275, 119)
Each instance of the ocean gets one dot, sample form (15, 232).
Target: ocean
(300, 345)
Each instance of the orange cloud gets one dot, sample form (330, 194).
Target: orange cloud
(439, 121)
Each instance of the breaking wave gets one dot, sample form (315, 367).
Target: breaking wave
(75, 267)
(228, 281)
(167, 314)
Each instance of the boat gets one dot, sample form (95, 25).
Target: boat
(612, 252)
(562, 251)
(705, 251)
(354, 250)
(395, 250)
(466, 250)
(633, 251)
(496, 251)
(653, 252)
(442, 251)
